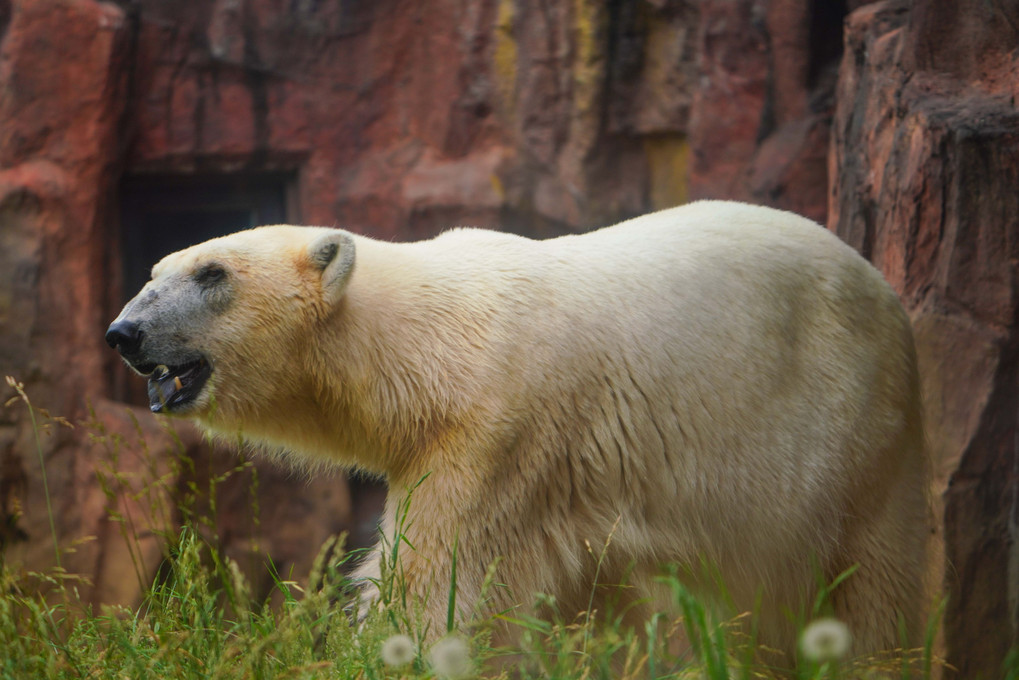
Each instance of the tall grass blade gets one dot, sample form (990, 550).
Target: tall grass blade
(451, 600)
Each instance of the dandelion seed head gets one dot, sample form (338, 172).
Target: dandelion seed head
(451, 658)
(825, 640)
(397, 651)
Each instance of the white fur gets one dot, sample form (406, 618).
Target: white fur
(717, 384)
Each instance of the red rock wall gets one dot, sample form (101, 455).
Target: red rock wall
(924, 168)
(405, 117)
(64, 80)
(398, 118)
(764, 100)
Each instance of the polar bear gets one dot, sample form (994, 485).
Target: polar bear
(716, 384)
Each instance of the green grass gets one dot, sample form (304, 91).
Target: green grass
(200, 619)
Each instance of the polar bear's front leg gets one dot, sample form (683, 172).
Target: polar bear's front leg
(366, 579)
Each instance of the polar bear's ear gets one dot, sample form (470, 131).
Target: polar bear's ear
(333, 255)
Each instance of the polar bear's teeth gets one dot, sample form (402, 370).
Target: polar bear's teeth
(160, 372)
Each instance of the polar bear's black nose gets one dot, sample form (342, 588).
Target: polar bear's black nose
(125, 336)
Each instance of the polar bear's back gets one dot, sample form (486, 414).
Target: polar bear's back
(761, 371)
(713, 245)
(691, 255)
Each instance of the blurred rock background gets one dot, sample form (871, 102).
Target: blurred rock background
(132, 128)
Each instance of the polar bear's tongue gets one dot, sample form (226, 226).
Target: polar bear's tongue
(163, 384)
(170, 387)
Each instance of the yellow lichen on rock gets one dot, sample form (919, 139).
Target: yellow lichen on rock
(668, 157)
(505, 58)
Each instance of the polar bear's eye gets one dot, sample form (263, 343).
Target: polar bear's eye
(210, 275)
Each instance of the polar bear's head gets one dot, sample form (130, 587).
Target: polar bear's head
(237, 311)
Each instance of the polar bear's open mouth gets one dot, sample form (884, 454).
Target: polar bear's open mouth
(172, 387)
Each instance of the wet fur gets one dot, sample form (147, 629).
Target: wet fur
(715, 384)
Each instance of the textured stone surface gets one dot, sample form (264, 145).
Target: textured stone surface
(763, 103)
(127, 498)
(378, 104)
(927, 159)
(64, 106)
(64, 90)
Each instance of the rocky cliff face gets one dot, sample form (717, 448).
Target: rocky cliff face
(923, 176)
(64, 92)
(893, 122)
